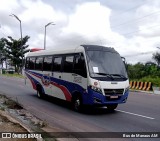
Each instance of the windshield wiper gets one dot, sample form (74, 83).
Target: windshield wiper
(105, 74)
(120, 75)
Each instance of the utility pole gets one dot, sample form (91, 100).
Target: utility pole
(50, 23)
(13, 15)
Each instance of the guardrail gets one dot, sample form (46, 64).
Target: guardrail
(144, 86)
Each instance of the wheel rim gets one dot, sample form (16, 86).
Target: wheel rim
(38, 94)
(77, 104)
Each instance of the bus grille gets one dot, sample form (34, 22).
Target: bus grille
(109, 92)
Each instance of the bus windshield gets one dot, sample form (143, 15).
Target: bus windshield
(106, 64)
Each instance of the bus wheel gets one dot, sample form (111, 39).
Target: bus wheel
(112, 107)
(77, 104)
(39, 92)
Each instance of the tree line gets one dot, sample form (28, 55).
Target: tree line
(149, 71)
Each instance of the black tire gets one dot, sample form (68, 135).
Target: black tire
(77, 104)
(39, 92)
(112, 107)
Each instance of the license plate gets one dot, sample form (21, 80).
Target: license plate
(116, 96)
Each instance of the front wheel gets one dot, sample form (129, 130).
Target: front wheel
(77, 104)
(39, 92)
(112, 107)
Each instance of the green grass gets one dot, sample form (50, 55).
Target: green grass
(13, 75)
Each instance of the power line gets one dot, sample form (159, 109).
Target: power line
(128, 10)
(140, 30)
(138, 19)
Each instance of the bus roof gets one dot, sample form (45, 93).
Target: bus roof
(64, 50)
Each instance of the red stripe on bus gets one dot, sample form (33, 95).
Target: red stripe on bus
(64, 89)
(33, 84)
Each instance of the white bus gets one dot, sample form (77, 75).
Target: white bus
(83, 75)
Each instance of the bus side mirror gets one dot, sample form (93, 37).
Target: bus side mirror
(124, 61)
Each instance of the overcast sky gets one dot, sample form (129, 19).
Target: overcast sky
(132, 27)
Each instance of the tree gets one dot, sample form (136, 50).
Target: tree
(151, 69)
(136, 71)
(15, 50)
(2, 51)
(156, 57)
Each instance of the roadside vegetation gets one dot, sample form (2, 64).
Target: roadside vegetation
(148, 72)
(13, 75)
(12, 52)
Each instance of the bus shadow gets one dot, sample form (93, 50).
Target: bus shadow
(87, 110)
(97, 111)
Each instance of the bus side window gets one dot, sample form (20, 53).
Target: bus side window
(47, 63)
(68, 63)
(57, 64)
(27, 63)
(38, 63)
(32, 63)
(80, 65)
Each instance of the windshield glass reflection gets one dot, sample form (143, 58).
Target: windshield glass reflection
(106, 64)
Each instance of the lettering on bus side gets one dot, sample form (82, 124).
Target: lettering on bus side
(46, 80)
(77, 79)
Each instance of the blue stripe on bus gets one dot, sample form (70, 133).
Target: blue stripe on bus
(88, 97)
(34, 82)
(62, 84)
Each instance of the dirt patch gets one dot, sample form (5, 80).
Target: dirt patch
(8, 126)
(15, 119)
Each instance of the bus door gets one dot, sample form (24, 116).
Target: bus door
(57, 90)
(67, 75)
(79, 72)
(74, 74)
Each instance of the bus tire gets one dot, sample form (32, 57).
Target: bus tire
(39, 92)
(112, 107)
(77, 103)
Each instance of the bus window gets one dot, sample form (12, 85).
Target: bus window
(38, 63)
(68, 64)
(47, 63)
(31, 63)
(27, 63)
(79, 65)
(57, 64)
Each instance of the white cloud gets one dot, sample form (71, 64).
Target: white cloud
(38, 10)
(91, 21)
(8, 5)
(7, 30)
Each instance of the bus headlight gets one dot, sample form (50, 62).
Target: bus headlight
(96, 89)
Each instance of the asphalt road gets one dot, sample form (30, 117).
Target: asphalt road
(140, 114)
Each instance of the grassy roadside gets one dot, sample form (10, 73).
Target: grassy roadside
(13, 75)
